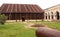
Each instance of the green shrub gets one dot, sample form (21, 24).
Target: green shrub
(2, 18)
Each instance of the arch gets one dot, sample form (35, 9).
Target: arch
(52, 15)
(57, 13)
(48, 15)
(51, 12)
(45, 15)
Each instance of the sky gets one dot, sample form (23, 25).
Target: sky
(42, 3)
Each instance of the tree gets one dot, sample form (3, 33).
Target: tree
(3, 18)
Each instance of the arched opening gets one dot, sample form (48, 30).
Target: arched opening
(45, 15)
(48, 15)
(52, 15)
(57, 13)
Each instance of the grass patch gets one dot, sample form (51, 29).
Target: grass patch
(17, 29)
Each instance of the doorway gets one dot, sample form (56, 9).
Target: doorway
(23, 18)
(57, 15)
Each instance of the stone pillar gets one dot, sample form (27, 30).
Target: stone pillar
(54, 16)
(50, 17)
(45, 16)
(59, 16)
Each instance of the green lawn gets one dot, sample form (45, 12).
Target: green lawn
(17, 29)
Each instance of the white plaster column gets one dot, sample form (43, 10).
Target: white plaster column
(47, 17)
(59, 15)
(50, 16)
(44, 16)
(54, 15)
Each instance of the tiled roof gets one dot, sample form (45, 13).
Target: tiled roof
(20, 8)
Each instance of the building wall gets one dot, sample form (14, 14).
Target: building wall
(52, 14)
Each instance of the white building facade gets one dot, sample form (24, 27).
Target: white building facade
(52, 13)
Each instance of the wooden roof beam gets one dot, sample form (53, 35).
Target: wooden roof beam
(29, 8)
(20, 8)
(8, 8)
(32, 8)
(2, 7)
(11, 8)
(36, 8)
(15, 7)
(25, 8)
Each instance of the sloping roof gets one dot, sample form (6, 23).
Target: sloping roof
(0, 8)
(53, 7)
(6, 8)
